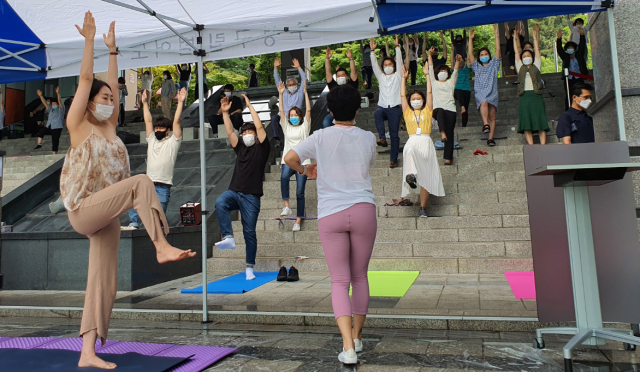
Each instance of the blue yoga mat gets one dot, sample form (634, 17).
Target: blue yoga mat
(235, 284)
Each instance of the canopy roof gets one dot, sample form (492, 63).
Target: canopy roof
(38, 38)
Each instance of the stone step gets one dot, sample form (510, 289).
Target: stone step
(24, 177)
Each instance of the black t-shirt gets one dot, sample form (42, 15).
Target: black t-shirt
(333, 83)
(248, 173)
(186, 73)
(577, 125)
(438, 61)
(236, 104)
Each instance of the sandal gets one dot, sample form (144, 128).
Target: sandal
(486, 128)
(491, 143)
(447, 162)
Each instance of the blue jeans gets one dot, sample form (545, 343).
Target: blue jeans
(301, 182)
(249, 207)
(328, 121)
(184, 84)
(164, 194)
(392, 115)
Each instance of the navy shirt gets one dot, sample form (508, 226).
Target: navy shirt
(577, 125)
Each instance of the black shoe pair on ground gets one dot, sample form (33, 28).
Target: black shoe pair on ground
(292, 276)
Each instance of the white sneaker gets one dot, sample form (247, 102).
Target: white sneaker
(285, 211)
(358, 344)
(348, 357)
(128, 228)
(296, 227)
(227, 243)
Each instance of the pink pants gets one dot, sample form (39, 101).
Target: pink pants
(347, 239)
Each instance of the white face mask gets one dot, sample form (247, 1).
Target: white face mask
(292, 89)
(416, 104)
(341, 80)
(388, 70)
(249, 140)
(527, 61)
(227, 94)
(442, 76)
(102, 112)
(585, 103)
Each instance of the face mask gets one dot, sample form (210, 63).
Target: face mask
(388, 70)
(579, 26)
(585, 103)
(458, 41)
(160, 135)
(54, 107)
(249, 140)
(341, 80)
(442, 76)
(294, 120)
(484, 59)
(184, 67)
(570, 51)
(227, 94)
(527, 61)
(102, 112)
(416, 104)
(165, 77)
(146, 75)
(292, 89)
(410, 43)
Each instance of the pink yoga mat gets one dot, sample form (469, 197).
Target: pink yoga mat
(522, 284)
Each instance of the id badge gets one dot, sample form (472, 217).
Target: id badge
(419, 130)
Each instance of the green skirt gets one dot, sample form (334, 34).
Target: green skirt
(531, 113)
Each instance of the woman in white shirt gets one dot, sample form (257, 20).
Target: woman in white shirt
(531, 109)
(346, 210)
(444, 105)
(296, 128)
(575, 27)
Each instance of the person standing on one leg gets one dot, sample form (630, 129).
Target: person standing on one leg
(389, 81)
(486, 83)
(341, 78)
(434, 51)
(346, 210)
(367, 70)
(184, 72)
(411, 54)
(96, 189)
(167, 93)
(462, 92)
(162, 152)
(252, 153)
(122, 89)
(55, 122)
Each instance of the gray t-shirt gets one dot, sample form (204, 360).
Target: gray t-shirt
(168, 88)
(56, 117)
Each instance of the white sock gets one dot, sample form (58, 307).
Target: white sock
(250, 275)
(227, 243)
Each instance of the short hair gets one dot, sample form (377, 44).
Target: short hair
(121, 80)
(168, 74)
(53, 100)
(443, 67)
(424, 99)
(96, 85)
(163, 122)
(484, 49)
(570, 44)
(247, 126)
(527, 42)
(298, 111)
(578, 19)
(343, 102)
(395, 68)
(229, 87)
(292, 78)
(578, 88)
(342, 69)
(526, 51)
(252, 65)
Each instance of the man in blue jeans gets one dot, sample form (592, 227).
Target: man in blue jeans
(252, 152)
(162, 151)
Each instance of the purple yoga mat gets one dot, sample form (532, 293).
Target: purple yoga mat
(201, 356)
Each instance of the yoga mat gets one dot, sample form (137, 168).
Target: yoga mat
(390, 283)
(235, 284)
(522, 284)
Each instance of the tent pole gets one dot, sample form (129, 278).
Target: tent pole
(203, 188)
(616, 75)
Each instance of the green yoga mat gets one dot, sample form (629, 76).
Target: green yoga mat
(390, 283)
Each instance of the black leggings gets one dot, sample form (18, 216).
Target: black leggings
(463, 97)
(413, 69)
(55, 136)
(447, 122)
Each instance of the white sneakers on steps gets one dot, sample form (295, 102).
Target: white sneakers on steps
(358, 344)
(348, 357)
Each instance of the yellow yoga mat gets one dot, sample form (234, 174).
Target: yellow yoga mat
(390, 283)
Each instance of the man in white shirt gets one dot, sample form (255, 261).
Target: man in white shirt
(162, 151)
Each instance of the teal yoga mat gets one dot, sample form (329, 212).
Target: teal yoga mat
(235, 284)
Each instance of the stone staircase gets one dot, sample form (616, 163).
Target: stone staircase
(481, 226)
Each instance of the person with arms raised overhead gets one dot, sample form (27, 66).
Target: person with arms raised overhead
(55, 122)
(96, 189)
(434, 51)
(572, 56)
(389, 82)
(184, 73)
(575, 125)
(367, 70)
(341, 78)
(486, 83)
(293, 97)
(462, 92)
(252, 153)
(411, 54)
(575, 28)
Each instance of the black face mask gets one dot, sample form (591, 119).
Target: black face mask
(458, 41)
(160, 135)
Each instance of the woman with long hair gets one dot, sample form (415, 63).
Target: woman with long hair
(96, 189)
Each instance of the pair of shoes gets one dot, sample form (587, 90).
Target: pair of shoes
(422, 213)
(411, 180)
(296, 227)
(37, 147)
(393, 164)
(285, 211)
(128, 228)
(292, 276)
(382, 142)
(348, 357)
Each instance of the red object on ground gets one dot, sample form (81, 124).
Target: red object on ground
(522, 284)
(480, 152)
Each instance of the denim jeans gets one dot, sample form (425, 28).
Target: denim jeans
(164, 194)
(184, 84)
(249, 207)
(275, 126)
(393, 116)
(328, 121)
(301, 182)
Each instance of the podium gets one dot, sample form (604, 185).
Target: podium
(576, 180)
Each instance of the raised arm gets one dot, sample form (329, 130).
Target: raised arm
(507, 31)
(374, 61)
(569, 22)
(424, 48)
(262, 134)
(281, 89)
(296, 64)
(386, 47)
(307, 103)
(112, 72)
(559, 48)
(429, 67)
(470, 57)
(429, 95)
(444, 47)
(353, 73)
(177, 129)
(403, 89)
(517, 48)
(44, 101)
(60, 105)
(85, 80)
(327, 66)
(1, 99)
(225, 105)
(405, 40)
(148, 119)
(276, 72)
(582, 45)
(536, 42)
(398, 56)
(497, 37)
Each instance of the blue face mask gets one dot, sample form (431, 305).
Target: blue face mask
(570, 51)
(54, 107)
(294, 120)
(484, 59)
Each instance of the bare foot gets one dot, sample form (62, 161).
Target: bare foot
(94, 361)
(169, 253)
